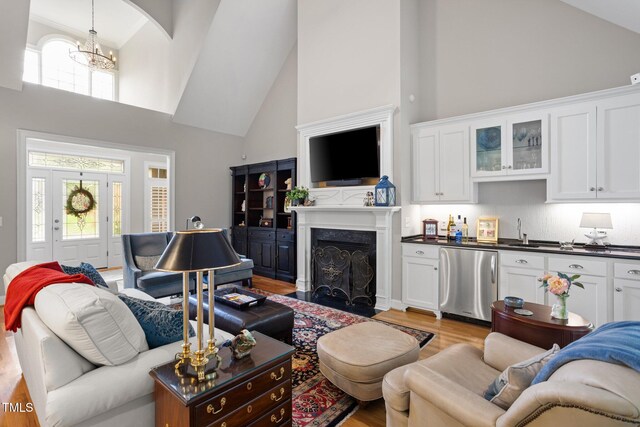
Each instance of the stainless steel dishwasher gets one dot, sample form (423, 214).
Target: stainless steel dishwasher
(468, 282)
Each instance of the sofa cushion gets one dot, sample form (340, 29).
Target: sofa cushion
(147, 263)
(516, 378)
(89, 271)
(161, 324)
(92, 321)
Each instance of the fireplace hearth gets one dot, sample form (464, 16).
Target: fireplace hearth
(343, 264)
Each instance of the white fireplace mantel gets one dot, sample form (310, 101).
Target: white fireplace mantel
(374, 218)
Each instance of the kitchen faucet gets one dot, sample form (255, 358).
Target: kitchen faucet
(522, 237)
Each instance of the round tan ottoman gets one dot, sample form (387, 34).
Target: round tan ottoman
(357, 357)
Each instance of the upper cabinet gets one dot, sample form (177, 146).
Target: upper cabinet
(440, 164)
(510, 147)
(595, 151)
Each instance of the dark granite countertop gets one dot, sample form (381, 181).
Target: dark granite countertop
(538, 246)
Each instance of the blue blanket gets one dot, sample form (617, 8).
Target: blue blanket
(615, 342)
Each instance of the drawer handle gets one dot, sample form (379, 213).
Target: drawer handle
(618, 289)
(276, 377)
(249, 409)
(420, 252)
(576, 266)
(522, 261)
(276, 398)
(634, 272)
(277, 420)
(212, 410)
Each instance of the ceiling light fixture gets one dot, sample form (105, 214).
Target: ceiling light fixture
(90, 54)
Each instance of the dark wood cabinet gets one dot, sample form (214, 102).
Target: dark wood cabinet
(263, 226)
(253, 391)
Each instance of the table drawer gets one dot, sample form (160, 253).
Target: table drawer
(522, 259)
(242, 416)
(420, 251)
(285, 236)
(627, 271)
(225, 403)
(280, 416)
(262, 234)
(577, 266)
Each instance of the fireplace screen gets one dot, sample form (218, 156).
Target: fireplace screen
(339, 272)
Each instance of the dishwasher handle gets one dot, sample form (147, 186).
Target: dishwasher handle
(493, 269)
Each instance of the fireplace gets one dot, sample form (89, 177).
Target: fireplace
(343, 264)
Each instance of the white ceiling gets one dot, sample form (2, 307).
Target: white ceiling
(247, 44)
(625, 13)
(116, 20)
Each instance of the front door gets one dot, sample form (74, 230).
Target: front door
(80, 215)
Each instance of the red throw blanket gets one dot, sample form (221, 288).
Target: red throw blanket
(24, 287)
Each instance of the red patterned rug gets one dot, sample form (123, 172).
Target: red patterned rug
(316, 401)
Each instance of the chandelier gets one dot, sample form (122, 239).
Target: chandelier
(90, 54)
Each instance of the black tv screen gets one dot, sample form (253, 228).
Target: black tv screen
(345, 156)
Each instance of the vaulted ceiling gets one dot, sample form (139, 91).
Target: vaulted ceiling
(625, 13)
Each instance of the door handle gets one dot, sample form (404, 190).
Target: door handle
(504, 167)
(493, 269)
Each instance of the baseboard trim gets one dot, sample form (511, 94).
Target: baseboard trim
(398, 305)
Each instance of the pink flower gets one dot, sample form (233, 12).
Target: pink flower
(546, 277)
(557, 286)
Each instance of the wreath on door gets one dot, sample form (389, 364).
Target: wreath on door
(80, 202)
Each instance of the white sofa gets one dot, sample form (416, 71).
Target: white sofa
(67, 390)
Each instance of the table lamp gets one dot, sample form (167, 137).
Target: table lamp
(197, 251)
(595, 221)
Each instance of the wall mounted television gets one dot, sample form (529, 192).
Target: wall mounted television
(345, 158)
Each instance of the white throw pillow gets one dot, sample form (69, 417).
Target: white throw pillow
(92, 321)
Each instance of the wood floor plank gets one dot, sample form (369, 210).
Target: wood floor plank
(448, 332)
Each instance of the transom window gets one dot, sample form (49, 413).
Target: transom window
(54, 68)
(67, 161)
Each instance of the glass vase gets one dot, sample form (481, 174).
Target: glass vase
(559, 309)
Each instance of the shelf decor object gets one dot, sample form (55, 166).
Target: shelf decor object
(264, 180)
(430, 229)
(487, 230)
(594, 221)
(560, 286)
(385, 192)
(198, 251)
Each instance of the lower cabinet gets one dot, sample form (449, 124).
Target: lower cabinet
(420, 277)
(263, 254)
(273, 253)
(286, 260)
(626, 291)
(519, 273)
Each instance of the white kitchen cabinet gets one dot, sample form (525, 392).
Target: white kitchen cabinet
(519, 273)
(420, 277)
(595, 151)
(592, 302)
(510, 147)
(626, 291)
(440, 164)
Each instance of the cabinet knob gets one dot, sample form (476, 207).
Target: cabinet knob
(576, 266)
(435, 268)
(592, 188)
(504, 167)
(618, 289)
(600, 188)
(509, 167)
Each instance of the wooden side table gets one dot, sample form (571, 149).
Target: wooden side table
(540, 329)
(255, 390)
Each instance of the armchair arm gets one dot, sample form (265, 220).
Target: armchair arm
(573, 395)
(449, 397)
(130, 270)
(502, 351)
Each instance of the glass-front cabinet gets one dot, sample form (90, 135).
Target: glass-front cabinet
(512, 145)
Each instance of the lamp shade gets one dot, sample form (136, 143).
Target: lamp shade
(596, 220)
(197, 250)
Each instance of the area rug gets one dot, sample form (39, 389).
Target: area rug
(316, 401)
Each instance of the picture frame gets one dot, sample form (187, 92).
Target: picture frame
(487, 230)
(266, 222)
(430, 229)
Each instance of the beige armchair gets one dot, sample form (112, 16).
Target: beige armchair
(447, 390)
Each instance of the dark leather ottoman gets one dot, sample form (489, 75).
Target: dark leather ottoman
(270, 318)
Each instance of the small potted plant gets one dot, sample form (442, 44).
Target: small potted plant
(559, 286)
(298, 195)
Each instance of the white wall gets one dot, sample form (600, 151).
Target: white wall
(202, 157)
(541, 221)
(273, 134)
(154, 70)
(482, 55)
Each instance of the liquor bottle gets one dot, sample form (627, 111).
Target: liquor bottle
(451, 229)
(459, 223)
(465, 231)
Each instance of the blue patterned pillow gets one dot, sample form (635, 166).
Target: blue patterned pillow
(89, 271)
(160, 323)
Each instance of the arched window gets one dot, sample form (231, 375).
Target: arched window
(55, 68)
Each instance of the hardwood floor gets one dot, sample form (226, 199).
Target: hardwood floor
(13, 388)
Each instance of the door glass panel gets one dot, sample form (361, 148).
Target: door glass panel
(38, 209)
(489, 149)
(159, 211)
(80, 225)
(117, 209)
(527, 145)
